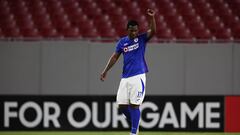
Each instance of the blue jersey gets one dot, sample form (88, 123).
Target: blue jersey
(133, 51)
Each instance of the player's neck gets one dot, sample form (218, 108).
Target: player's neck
(131, 38)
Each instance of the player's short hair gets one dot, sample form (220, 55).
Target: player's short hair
(132, 23)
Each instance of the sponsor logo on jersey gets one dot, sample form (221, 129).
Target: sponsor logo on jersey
(135, 39)
(131, 47)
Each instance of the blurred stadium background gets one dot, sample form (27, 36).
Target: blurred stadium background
(176, 19)
(53, 49)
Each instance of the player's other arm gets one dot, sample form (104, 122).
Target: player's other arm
(112, 60)
(152, 24)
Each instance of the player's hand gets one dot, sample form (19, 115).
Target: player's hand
(103, 76)
(150, 12)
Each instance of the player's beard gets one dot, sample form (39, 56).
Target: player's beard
(132, 36)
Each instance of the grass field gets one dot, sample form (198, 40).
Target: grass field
(113, 133)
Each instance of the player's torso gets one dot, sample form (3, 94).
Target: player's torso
(133, 55)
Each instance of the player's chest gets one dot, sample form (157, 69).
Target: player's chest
(131, 46)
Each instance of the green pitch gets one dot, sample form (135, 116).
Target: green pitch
(112, 133)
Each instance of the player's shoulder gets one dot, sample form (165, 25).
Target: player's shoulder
(143, 35)
(123, 39)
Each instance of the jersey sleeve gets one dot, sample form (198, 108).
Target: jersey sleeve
(118, 47)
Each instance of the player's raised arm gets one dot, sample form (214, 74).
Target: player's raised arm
(112, 60)
(152, 23)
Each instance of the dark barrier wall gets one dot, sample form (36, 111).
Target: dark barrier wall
(159, 113)
(73, 68)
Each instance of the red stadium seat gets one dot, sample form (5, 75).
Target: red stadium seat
(1, 34)
(30, 33)
(133, 13)
(11, 32)
(90, 33)
(119, 23)
(103, 25)
(86, 26)
(70, 4)
(143, 27)
(74, 13)
(108, 33)
(109, 6)
(61, 22)
(25, 22)
(38, 12)
(17, 3)
(235, 6)
(49, 33)
(182, 33)
(236, 31)
(214, 23)
(72, 32)
(223, 34)
(116, 12)
(6, 19)
(4, 8)
(43, 22)
(194, 22)
(147, 4)
(164, 34)
(34, 3)
(202, 34)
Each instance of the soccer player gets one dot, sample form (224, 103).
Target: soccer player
(131, 90)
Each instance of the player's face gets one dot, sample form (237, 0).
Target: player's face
(132, 31)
